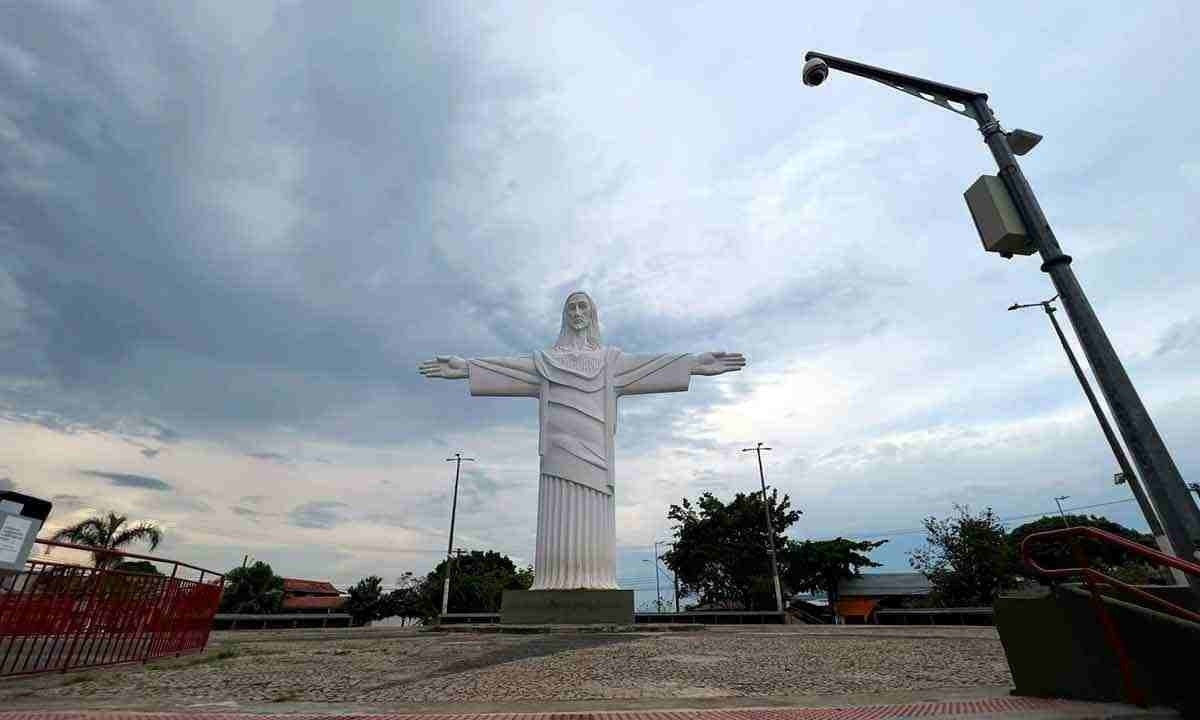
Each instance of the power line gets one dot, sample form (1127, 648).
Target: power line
(1003, 521)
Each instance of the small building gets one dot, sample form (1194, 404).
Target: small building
(311, 596)
(860, 597)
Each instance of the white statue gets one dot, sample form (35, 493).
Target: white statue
(577, 383)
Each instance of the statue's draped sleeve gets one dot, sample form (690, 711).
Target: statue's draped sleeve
(638, 374)
(504, 376)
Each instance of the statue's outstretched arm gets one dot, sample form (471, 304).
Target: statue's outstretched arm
(446, 367)
(716, 363)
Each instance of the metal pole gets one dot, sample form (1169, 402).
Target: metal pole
(675, 575)
(1180, 516)
(1058, 501)
(770, 526)
(657, 589)
(1118, 452)
(458, 461)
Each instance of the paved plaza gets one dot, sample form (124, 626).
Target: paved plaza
(405, 668)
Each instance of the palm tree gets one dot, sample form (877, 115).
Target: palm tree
(108, 532)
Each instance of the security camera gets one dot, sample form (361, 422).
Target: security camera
(815, 72)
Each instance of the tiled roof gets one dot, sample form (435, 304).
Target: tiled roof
(292, 585)
(319, 602)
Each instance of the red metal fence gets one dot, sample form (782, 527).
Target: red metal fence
(57, 616)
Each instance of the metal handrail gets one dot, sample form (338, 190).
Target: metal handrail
(122, 553)
(1094, 579)
(1094, 575)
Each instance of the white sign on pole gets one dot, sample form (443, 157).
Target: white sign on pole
(12, 537)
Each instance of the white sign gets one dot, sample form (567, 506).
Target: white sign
(12, 537)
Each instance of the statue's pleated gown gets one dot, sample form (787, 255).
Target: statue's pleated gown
(576, 537)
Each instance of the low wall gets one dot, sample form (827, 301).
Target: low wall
(1056, 647)
(279, 621)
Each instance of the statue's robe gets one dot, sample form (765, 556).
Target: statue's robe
(577, 395)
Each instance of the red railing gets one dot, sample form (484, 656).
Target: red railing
(56, 616)
(1097, 581)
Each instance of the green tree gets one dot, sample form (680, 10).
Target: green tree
(404, 601)
(367, 601)
(821, 565)
(144, 567)
(108, 532)
(967, 558)
(254, 589)
(720, 552)
(478, 579)
(1108, 558)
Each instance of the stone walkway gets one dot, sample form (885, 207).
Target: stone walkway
(401, 668)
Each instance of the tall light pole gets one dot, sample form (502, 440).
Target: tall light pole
(758, 450)
(1179, 514)
(458, 460)
(657, 586)
(1118, 452)
(1058, 501)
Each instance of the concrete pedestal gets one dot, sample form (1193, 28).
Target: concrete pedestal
(566, 607)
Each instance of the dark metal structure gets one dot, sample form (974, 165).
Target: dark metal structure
(57, 616)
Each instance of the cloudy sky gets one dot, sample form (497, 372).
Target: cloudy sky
(230, 231)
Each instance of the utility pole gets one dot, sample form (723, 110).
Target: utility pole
(758, 450)
(458, 460)
(675, 575)
(1058, 501)
(657, 589)
(1118, 452)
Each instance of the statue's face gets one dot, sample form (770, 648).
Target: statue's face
(579, 312)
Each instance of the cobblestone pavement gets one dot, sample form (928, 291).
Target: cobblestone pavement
(401, 667)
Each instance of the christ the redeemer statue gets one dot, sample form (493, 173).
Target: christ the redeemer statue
(577, 383)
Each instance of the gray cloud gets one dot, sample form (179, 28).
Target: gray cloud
(68, 502)
(129, 480)
(240, 228)
(1181, 336)
(321, 514)
(273, 456)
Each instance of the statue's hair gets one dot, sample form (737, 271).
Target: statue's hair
(593, 332)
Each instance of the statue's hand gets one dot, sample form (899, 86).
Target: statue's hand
(715, 363)
(447, 367)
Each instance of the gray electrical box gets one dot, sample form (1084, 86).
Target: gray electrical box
(996, 218)
(21, 517)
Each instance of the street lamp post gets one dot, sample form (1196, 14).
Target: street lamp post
(758, 450)
(1058, 501)
(458, 460)
(657, 586)
(1118, 452)
(1180, 516)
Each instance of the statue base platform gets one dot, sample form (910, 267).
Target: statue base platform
(566, 607)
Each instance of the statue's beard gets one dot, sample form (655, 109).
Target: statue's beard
(572, 338)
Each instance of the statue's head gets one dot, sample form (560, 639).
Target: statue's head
(580, 321)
